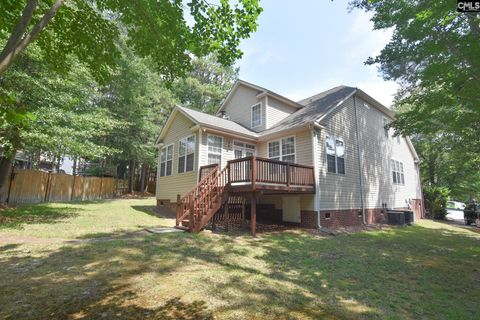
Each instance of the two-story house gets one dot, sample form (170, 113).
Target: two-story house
(326, 161)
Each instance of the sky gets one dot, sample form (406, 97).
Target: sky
(304, 47)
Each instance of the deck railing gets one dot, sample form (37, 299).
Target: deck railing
(267, 171)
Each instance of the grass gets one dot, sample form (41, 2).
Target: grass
(428, 271)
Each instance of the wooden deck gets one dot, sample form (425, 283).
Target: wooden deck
(252, 174)
(245, 177)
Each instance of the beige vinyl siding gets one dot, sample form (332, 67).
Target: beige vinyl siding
(338, 191)
(169, 186)
(306, 201)
(277, 111)
(343, 191)
(238, 108)
(303, 147)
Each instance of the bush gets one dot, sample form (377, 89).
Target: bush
(436, 201)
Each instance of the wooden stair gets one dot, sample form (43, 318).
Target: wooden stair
(197, 207)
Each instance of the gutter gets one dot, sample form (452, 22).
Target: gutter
(359, 161)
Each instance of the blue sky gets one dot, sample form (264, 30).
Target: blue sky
(304, 47)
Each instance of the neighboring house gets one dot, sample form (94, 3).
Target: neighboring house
(327, 160)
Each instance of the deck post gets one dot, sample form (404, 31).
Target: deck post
(254, 172)
(179, 209)
(253, 214)
(243, 211)
(226, 216)
(288, 176)
(192, 214)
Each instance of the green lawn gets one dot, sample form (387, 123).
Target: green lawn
(428, 271)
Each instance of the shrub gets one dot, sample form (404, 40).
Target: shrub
(436, 201)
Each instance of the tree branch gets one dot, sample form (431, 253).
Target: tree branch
(20, 28)
(21, 45)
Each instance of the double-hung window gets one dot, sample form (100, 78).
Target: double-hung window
(256, 115)
(186, 154)
(398, 176)
(335, 148)
(215, 144)
(283, 149)
(166, 160)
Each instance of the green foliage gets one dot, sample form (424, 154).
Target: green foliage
(155, 29)
(436, 201)
(63, 116)
(205, 85)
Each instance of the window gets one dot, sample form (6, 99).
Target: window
(335, 155)
(186, 154)
(215, 144)
(385, 127)
(242, 150)
(398, 176)
(256, 115)
(166, 161)
(283, 149)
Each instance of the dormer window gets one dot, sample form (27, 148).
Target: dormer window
(256, 115)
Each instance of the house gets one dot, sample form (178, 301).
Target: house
(326, 161)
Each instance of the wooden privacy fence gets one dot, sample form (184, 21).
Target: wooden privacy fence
(32, 186)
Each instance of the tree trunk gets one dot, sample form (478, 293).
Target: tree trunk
(5, 166)
(16, 44)
(131, 181)
(74, 167)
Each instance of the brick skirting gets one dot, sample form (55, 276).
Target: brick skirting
(308, 219)
(166, 204)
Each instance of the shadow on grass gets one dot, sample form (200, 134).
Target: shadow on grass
(402, 273)
(15, 218)
(156, 212)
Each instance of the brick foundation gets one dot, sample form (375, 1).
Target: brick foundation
(308, 219)
(417, 208)
(376, 215)
(340, 218)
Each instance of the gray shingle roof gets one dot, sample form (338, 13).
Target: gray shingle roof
(217, 122)
(314, 107)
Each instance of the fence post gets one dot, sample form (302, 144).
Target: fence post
(73, 188)
(12, 175)
(48, 186)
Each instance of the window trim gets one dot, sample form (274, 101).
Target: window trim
(401, 172)
(281, 149)
(335, 138)
(244, 148)
(166, 153)
(261, 115)
(221, 152)
(186, 154)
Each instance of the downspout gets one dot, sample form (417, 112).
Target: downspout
(316, 204)
(359, 161)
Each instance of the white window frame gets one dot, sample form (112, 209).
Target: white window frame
(186, 154)
(261, 116)
(399, 174)
(214, 152)
(244, 147)
(335, 139)
(165, 148)
(281, 155)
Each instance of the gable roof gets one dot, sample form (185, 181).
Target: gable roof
(206, 120)
(262, 91)
(314, 108)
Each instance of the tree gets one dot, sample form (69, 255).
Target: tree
(138, 98)
(433, 54)
(91, 30)
(63, 118)
(205, 85)
(155, 28)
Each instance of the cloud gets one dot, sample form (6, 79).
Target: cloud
(381, 90)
